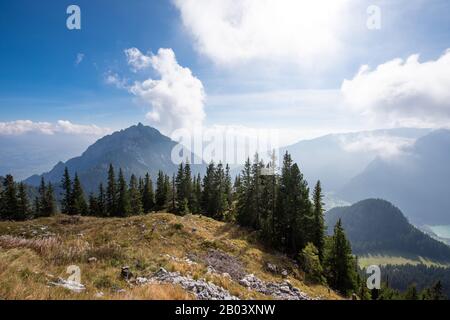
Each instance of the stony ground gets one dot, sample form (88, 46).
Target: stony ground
(156, 256)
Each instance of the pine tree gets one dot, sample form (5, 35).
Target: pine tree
(41, 201)
(66, 187)
(161, 196)
(208, 190)
(47, 204)
(339, 262)
(228, 189)
(318, 230)
(79, 205)
(10, 201)
(111, 193)
(244, 210)
(101, 202)
(93, 206)
(23, 205)
(172, 192)
(180, 185)
(135, 197)
(148, 200)
(411, 293)
(123, 198)
(188, 187)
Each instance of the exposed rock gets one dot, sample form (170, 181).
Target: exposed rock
(222, 262)
(92, 260)
(271, 267)
(281, 291)
(68, 284)
(126, 273)
(202, 289)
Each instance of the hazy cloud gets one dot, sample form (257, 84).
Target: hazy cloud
(235, 31)
(79, 59)
(384, 146)
(403, 92)
(20, 127)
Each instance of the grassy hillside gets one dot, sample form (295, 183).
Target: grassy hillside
(34, 253)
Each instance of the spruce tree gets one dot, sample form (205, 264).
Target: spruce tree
(148, 200)
(318, 230)
(93, 205)
(23, 205)
(66, 187)
(111, 193)
(339, 263)
(208, 190)
(10, 201)
(161, 191)
(101, 202)
(79, 205)
(135, 197)
(47, 202)
(180, 185)
(244, 209)
(41, 201)
(123, 198)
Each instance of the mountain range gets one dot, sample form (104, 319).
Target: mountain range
(416, 180)
(136, 150)
(376, 226)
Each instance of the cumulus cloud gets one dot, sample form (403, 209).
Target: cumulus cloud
(20, 127)
(235, 31)
(176, 99)
(403, 92)
(137, 60)
(385, 146)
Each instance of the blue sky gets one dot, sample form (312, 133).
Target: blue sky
(250, 75)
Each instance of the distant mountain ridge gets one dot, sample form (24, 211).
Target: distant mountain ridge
(137, 150)
(329, 158)
(374, 226)
(417, 181)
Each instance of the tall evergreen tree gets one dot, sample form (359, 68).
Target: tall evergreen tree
(93, 205)
(208, 190)
(135, 197)
(23, 205)
(148, 200)
(9, 198)
(101, 202)
(123, 198)
(244, 209)
(111, 193)
(46, 206)
(66, 187)
(318, 228)
(79, 205)
(161, 194)
(340, 264)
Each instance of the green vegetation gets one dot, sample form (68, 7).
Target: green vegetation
(376, 226)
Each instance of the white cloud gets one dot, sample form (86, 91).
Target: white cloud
(137, 60)
(385, 146)
(403, 93)
(235, 31)
(177, 98)
(116, 80)
(79, 59)
(20, 127)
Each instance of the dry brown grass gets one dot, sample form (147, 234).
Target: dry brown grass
(29, 258)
